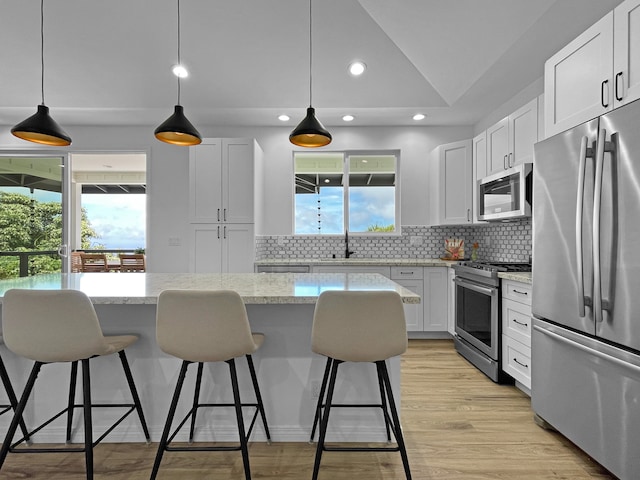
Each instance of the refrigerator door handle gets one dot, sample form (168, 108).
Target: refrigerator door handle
(579, 211)
(597, 203)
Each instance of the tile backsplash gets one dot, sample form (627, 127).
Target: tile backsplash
(498, 242)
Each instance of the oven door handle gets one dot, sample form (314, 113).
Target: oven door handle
(475, 287)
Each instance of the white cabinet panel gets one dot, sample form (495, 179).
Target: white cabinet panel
(480, 170)
(205, 254)
(516, 331)
(414, 313)
(205, 185)
(498, 146)
(450, 181)
(577, 79)
(435, 299)
(238, 184)
(626, 53)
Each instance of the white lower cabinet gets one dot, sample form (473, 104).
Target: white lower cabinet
(451, 310)
(516, 332)
(431, 283)
(411, 278)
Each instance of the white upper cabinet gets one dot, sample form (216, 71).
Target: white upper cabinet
(221, 174)
(480, 169)
(510, 141)
(450, 181)
(626, 53)
(596, 72)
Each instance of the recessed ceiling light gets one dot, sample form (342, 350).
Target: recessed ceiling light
(357, 68)
(348, 118)
(418, 116)
(283, 118)
(180, 71)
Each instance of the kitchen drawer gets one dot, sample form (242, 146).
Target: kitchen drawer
(516, 360)
(351, 269)
(516, 321)
(518, 291)
(403, 273)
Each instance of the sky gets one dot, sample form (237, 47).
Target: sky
(368, 206)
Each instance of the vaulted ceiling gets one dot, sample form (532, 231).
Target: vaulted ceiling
(109, 62)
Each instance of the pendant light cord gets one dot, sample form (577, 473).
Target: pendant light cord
(42, 49)
(310, 58)
(179, 50)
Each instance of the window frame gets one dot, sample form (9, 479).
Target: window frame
(346, 155)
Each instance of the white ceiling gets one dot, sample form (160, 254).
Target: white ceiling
(108, 62)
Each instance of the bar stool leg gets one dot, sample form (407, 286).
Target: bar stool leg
(72, 396)
(196, 398)
(134, 394)
(383, 405)
(13, 400)
(256, 389)
(167, 426)
(17, 416)
(325, 418)
(88, 425)
(323, 387)
(241, 432)
(382, 368)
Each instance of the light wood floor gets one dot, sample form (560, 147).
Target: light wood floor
(457, 424)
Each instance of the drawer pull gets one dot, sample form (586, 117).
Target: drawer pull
(519, 292)
(524, 324)
(406, 273)
(520, 363)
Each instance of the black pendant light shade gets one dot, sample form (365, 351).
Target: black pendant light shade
(178, 130)
(41, 128)
(310, 133)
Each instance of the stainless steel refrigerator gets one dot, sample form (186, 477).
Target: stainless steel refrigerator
(586, 287)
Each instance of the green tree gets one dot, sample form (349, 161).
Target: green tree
(27, 224)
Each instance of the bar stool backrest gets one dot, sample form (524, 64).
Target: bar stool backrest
(359, 326)
(203, 325)
(51, 325)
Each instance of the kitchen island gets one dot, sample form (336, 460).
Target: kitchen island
(279, 305)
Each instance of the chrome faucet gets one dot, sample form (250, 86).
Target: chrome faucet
(347, 252)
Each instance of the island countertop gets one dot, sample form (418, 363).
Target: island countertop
(254, 288)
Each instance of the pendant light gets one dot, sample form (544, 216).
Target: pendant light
(177, 129)
(40, 127)
(310, 133)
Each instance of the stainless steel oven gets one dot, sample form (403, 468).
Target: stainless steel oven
(478, 327)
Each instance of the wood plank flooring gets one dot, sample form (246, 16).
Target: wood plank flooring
(457, 423)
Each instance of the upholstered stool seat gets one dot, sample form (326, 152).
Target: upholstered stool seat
(53, 326)
(199, 327)
(359, 326)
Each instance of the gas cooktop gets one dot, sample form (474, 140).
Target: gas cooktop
(490, 269)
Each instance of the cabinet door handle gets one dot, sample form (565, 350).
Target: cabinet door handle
(510, 163)
(618, 76)
(224, 230)
(224, 214)
(218, 214)
(218, 232)
(524, 324)
(468, 214)
(602, 90)
(520, 363)
(518, 291)
(504, 162)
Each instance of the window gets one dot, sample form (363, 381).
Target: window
(340, 191)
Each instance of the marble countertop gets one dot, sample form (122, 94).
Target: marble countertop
(417, 262)
(524, 277)
(255, 288)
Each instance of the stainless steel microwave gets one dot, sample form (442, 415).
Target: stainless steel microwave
(506, 195)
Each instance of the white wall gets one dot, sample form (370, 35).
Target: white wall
(168, 175)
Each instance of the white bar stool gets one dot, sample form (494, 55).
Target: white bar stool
(359, 326)
(53, 326)
(207, 326)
